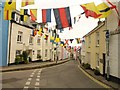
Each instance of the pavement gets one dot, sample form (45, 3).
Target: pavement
(31, 65)
(35, 65)
(113, 85)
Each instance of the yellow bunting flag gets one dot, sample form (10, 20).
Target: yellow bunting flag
(7, 14)
(33, 13)
(10, 5)
(91, 10)
(57, 40)
(24, 14)
(104, 10)
(27, 2)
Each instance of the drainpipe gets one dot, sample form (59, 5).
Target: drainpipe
(107, 50)
(10, 41)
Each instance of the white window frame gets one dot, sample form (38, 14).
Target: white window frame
(97, 38)
(31, 40)
(38, 40)
(19, 36)
(97, 59)
(46, 52)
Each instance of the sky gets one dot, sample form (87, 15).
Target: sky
(81, 28)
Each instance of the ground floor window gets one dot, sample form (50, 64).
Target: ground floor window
(45, 52)
(38, 53)
(97, 59)
(18, 52)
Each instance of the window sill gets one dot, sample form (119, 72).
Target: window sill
(19, 42)
(30, 43)
(97, 45)
(38, 44)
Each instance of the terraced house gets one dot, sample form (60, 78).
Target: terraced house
(25, 36)
(95, 47)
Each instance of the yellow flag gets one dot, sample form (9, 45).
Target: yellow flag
(91, 6)
(61, 45)
(10, 5)
(24, 13)
(33, 13)
(27, 2)
(104, 10)
(7, 14)
(91, 10)
(51, 38)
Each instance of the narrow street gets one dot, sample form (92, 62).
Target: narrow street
(66, 75)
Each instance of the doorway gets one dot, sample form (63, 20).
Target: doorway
(103, 64)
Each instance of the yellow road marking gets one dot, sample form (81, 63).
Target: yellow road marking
(95, 80)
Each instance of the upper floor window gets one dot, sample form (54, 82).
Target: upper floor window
(19, 37)
(38, 40)
(97, 38)
(31, 40)
(89, 41)
(45, 52)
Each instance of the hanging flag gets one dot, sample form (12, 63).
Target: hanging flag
(7, 14)
(57, 40)
(51, 39)
(74, 20)
(61, 43)
(104, 10)
(35, 32)
(46, 15)
(71, 40)
(62, 17)
(77, 18)
(46, 28)
(33, 14)
(66, 41)
(10, 5)
(61, 30)
(46, 37)
(78, 40)
(27, 2)
(91, 10)
(24, 14)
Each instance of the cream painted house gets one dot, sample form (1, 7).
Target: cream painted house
(95, 47)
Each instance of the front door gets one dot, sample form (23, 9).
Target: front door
(103, 64)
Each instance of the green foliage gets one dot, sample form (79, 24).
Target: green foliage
(39, 57)
(25, 57)
(86, 66)
(18, 59)
(97, 71)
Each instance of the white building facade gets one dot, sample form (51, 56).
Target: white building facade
(114, 43)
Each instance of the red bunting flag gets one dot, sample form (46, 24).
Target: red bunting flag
(62, 17)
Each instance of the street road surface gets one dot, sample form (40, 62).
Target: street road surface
(66, 75)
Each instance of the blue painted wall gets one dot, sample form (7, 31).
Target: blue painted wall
(4, 24)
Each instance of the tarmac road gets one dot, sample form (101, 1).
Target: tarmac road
(66, 75)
